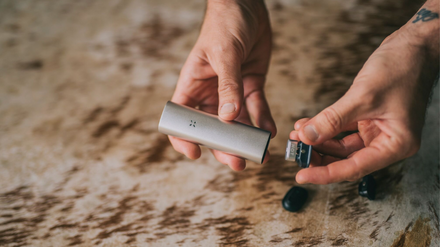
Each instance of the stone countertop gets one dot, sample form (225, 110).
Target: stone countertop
(82, 87)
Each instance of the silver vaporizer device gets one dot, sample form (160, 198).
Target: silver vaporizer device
(199, 127)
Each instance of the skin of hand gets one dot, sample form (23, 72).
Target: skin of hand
(386, 104)
(225, 72)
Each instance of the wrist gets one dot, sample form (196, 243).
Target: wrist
(423, 29)
(249, 16)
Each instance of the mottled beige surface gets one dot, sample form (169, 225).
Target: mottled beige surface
(82, 86)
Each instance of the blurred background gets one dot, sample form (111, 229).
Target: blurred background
(82, 87)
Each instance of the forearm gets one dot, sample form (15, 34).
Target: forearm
(422, 34)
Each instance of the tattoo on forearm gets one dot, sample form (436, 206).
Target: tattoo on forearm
(425, 15)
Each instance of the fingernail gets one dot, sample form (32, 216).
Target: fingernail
(227, 108)
(311, 133)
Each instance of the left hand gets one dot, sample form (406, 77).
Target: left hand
(226, 71)
(386, 104)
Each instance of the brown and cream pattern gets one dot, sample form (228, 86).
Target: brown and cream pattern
(82, 87)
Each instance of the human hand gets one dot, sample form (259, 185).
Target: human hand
(386, 105)
(225, 71)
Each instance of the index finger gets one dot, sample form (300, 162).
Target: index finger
(189, 149)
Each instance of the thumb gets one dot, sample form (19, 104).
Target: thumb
(331, 121)
(230, 86)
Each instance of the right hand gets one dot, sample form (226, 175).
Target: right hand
(226, 70)
(386, 107)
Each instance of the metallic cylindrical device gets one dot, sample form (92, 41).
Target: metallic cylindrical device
(203, 128)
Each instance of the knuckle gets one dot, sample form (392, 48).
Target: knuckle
(358, 172)
(228, 87)
(220, 48)
(356, 176)
(330, 177)
(228, 48)
(231, 47)
(332, 119)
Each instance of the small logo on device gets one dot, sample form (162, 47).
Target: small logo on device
(193, 123)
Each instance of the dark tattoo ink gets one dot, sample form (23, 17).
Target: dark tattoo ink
(425, 15)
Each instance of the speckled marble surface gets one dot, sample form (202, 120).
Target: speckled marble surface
(82, 87)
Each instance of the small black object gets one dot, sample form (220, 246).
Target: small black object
(367, 188)
(299, 152)
(304, 155)
(295, 199)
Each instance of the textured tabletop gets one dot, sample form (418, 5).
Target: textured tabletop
(82, 86)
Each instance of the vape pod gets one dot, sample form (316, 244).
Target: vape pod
(299, 152)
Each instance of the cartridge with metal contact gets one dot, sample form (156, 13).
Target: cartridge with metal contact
(299, 152)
